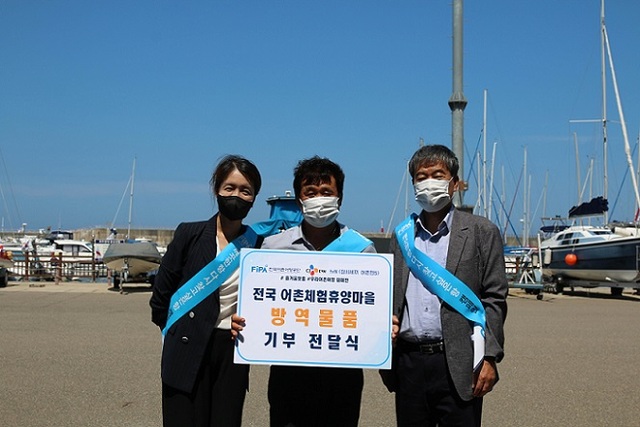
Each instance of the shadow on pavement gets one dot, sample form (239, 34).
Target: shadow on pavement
(600, 295)
(134, 288)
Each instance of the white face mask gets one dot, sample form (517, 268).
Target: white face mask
(432, 194)
(320, 211)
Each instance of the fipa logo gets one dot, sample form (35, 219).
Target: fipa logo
(259, 269)
(314, 270)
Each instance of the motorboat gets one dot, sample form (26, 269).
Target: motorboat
(70, 250)
(132, 259)
(74, 251)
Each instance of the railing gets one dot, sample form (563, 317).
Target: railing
(28, 267)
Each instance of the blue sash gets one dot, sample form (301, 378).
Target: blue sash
(214, 274)
(442, 283)
(349, 241)
(207, 280)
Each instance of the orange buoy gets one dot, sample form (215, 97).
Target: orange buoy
(571, 259)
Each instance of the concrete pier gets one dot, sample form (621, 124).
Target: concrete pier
(81, 354)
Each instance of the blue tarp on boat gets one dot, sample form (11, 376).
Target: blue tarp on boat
(285, 213)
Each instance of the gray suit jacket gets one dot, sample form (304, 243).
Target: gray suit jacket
(476, 257)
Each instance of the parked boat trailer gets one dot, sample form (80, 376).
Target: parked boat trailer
(559, 283)
(522, 274)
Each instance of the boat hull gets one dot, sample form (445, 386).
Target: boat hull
(608, 261)
(133, 266)
(132, 259)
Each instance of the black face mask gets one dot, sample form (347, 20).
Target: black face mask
(233, 207)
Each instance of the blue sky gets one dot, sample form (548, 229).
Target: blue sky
(86, 87)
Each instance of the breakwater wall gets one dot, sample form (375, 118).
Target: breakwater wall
(159, 235)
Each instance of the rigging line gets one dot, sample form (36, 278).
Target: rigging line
(508, 219)
(625, 136)
(395, 206)
(500, 138)
(13, 196)
(624, 178)
(535, 212)
(504, 233)
(120, 204)
(472, 159)
(496, 205)
(492, 109)
(4, 201)
(6, 207)
(498, 208)
(587, 179)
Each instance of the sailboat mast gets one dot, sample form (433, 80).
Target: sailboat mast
(479, 178)
(525, 212)
(623, 123)
(503, 198)
(484, 156)
(133, 174)
(603, 68)
(493, 162)
(579, 180)
(544, 192)
(635, 217)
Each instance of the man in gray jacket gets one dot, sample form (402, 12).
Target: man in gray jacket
(434, 376)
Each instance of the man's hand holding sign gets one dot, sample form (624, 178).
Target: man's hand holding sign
(315, 309)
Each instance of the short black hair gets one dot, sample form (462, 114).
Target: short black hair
(228, 164)
(432, 154)
(317, 170)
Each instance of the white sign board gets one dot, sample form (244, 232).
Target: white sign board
(315, 309)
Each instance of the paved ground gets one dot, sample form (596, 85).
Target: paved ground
(80, 354)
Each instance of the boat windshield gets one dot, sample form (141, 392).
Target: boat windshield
(582, 236)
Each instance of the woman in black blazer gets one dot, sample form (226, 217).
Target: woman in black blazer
(201, 386)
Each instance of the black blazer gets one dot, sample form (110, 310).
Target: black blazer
(192, 248)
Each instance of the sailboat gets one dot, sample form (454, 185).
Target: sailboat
(132, 259)
(591, 255)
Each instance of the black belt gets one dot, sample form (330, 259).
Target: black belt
(424, 348)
